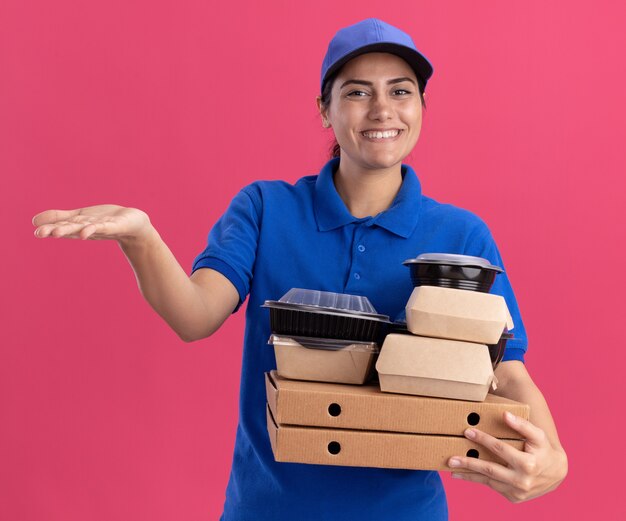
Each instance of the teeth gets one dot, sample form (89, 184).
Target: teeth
(380, 135)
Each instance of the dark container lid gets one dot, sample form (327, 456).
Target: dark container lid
(453, 259)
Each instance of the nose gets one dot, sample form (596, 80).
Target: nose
(381, 108)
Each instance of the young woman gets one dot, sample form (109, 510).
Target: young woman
(347, 230)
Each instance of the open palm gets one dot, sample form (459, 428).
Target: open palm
(106, 221)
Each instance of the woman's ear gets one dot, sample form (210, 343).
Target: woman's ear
(322, 111)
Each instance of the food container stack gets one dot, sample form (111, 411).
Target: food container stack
(455, 331)
(324, 336)
(324, 344)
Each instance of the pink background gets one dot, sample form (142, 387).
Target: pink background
(172, 107)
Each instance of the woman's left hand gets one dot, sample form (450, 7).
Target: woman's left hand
(530, 473)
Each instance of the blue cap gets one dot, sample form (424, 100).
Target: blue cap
(373, 35)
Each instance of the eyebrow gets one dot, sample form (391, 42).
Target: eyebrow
(370, 84)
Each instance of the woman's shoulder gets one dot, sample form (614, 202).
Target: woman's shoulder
(456, 229)
(264, 190)
(433, 209)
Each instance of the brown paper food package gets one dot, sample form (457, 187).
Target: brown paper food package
(436, 367)
(457, 314)
(351, 365)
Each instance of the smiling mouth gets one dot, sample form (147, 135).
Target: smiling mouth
(377, 134)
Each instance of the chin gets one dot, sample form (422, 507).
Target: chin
(384, 162)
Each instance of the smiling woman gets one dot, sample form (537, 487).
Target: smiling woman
(375, 111)
(346, 230)
(374, 100)
(324, 101)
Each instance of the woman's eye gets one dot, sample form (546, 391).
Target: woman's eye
(356, 93)
(401, 92)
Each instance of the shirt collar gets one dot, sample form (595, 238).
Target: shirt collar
(400, 218)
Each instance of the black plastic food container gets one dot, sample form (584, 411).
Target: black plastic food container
(398, 327)
(496, 351)
(448, 270)
(324, 314)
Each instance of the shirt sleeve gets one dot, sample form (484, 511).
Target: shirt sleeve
(483, 245)
(232, 242)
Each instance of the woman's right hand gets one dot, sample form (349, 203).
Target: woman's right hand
(105, 221)
(194, 307)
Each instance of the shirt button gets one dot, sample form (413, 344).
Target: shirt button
(357, 276)
(361, 248)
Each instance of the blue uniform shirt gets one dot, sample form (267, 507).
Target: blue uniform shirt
(276, 236)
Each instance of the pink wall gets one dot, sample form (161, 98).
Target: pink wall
(171, 107)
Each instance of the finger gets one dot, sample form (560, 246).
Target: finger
(97, 230)
(471, 476)
(64, 229)
(80, 227)
(45, 230)
(498, 447)
(51, 216)
(90, 230)
(59, 229)
(534, 436)
(498, 486)
(488, 469)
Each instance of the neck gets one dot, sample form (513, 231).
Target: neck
(367, 192)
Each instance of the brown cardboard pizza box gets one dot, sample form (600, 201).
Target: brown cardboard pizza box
(366, 407)
(359, 448)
